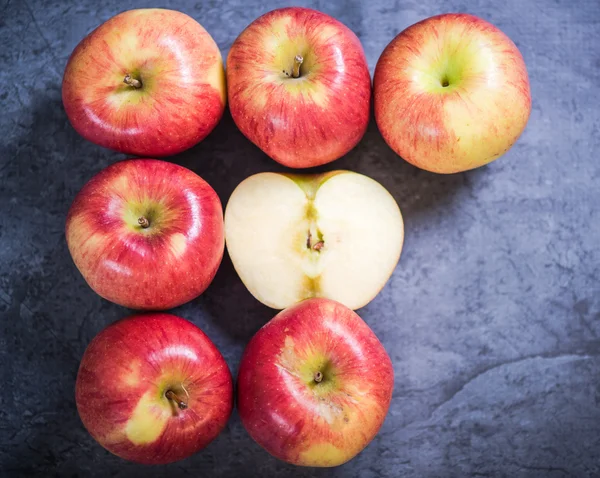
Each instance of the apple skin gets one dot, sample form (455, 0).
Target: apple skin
(475, 118)
(159, 267)
(293, 417)
(124, 375)
(183, 92)
(306, 121)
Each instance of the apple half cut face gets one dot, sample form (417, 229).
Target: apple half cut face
(336, 235)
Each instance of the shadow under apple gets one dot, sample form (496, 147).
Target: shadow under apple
(51, 313)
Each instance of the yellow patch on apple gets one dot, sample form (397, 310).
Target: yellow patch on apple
(148, 420)
(178, 243)
(277, 33)
(215, 77)
(132, 376)
(323, 454)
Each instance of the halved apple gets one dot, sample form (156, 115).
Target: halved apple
(336, 235)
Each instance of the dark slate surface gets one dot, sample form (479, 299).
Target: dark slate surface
(492, 318)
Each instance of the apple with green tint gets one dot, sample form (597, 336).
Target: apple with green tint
(314, 384)
(148, 82)
(299, 86)
(153, 389)
(451, 93)
(291, 237)
(146, 234)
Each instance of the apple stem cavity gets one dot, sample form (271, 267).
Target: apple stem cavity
(318, 246)
(298, 59)
(131, 81)
(318, 377)
(143, 222)
(171, 395)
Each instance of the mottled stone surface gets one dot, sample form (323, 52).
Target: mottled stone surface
(492, 317)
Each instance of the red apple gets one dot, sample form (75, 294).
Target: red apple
(314, 384)
(451, 93)
(153, 389)
(146, 234)
(299, 86)
(148, 82)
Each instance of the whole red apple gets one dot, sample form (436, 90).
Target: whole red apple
(314, 384)
(153, 389)
(451, 93)
(146, 234)
(299, 86)
(148, 82)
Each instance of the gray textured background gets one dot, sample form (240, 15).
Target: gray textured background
(492, 317)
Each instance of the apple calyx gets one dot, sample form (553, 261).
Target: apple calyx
(143, 222)
(131, 81)
(318, 377)
(171, 395)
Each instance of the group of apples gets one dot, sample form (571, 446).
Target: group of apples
(451, 93)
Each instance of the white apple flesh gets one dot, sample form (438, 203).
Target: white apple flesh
(337, 235)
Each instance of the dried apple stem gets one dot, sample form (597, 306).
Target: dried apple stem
(318, 377)
(297, 63)
(171, 395)
(129, 80)
(142, 221)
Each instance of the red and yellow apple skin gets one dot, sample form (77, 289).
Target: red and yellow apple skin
(314, 384)
(153, 389)
(305, 121)
(451, 93)
(181, 96)
(146, 234)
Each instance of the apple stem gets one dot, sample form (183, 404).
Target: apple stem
(318, 377)
(318, 246)
(171, 395)
(142, 221)
(129, 80)
(297, 62)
